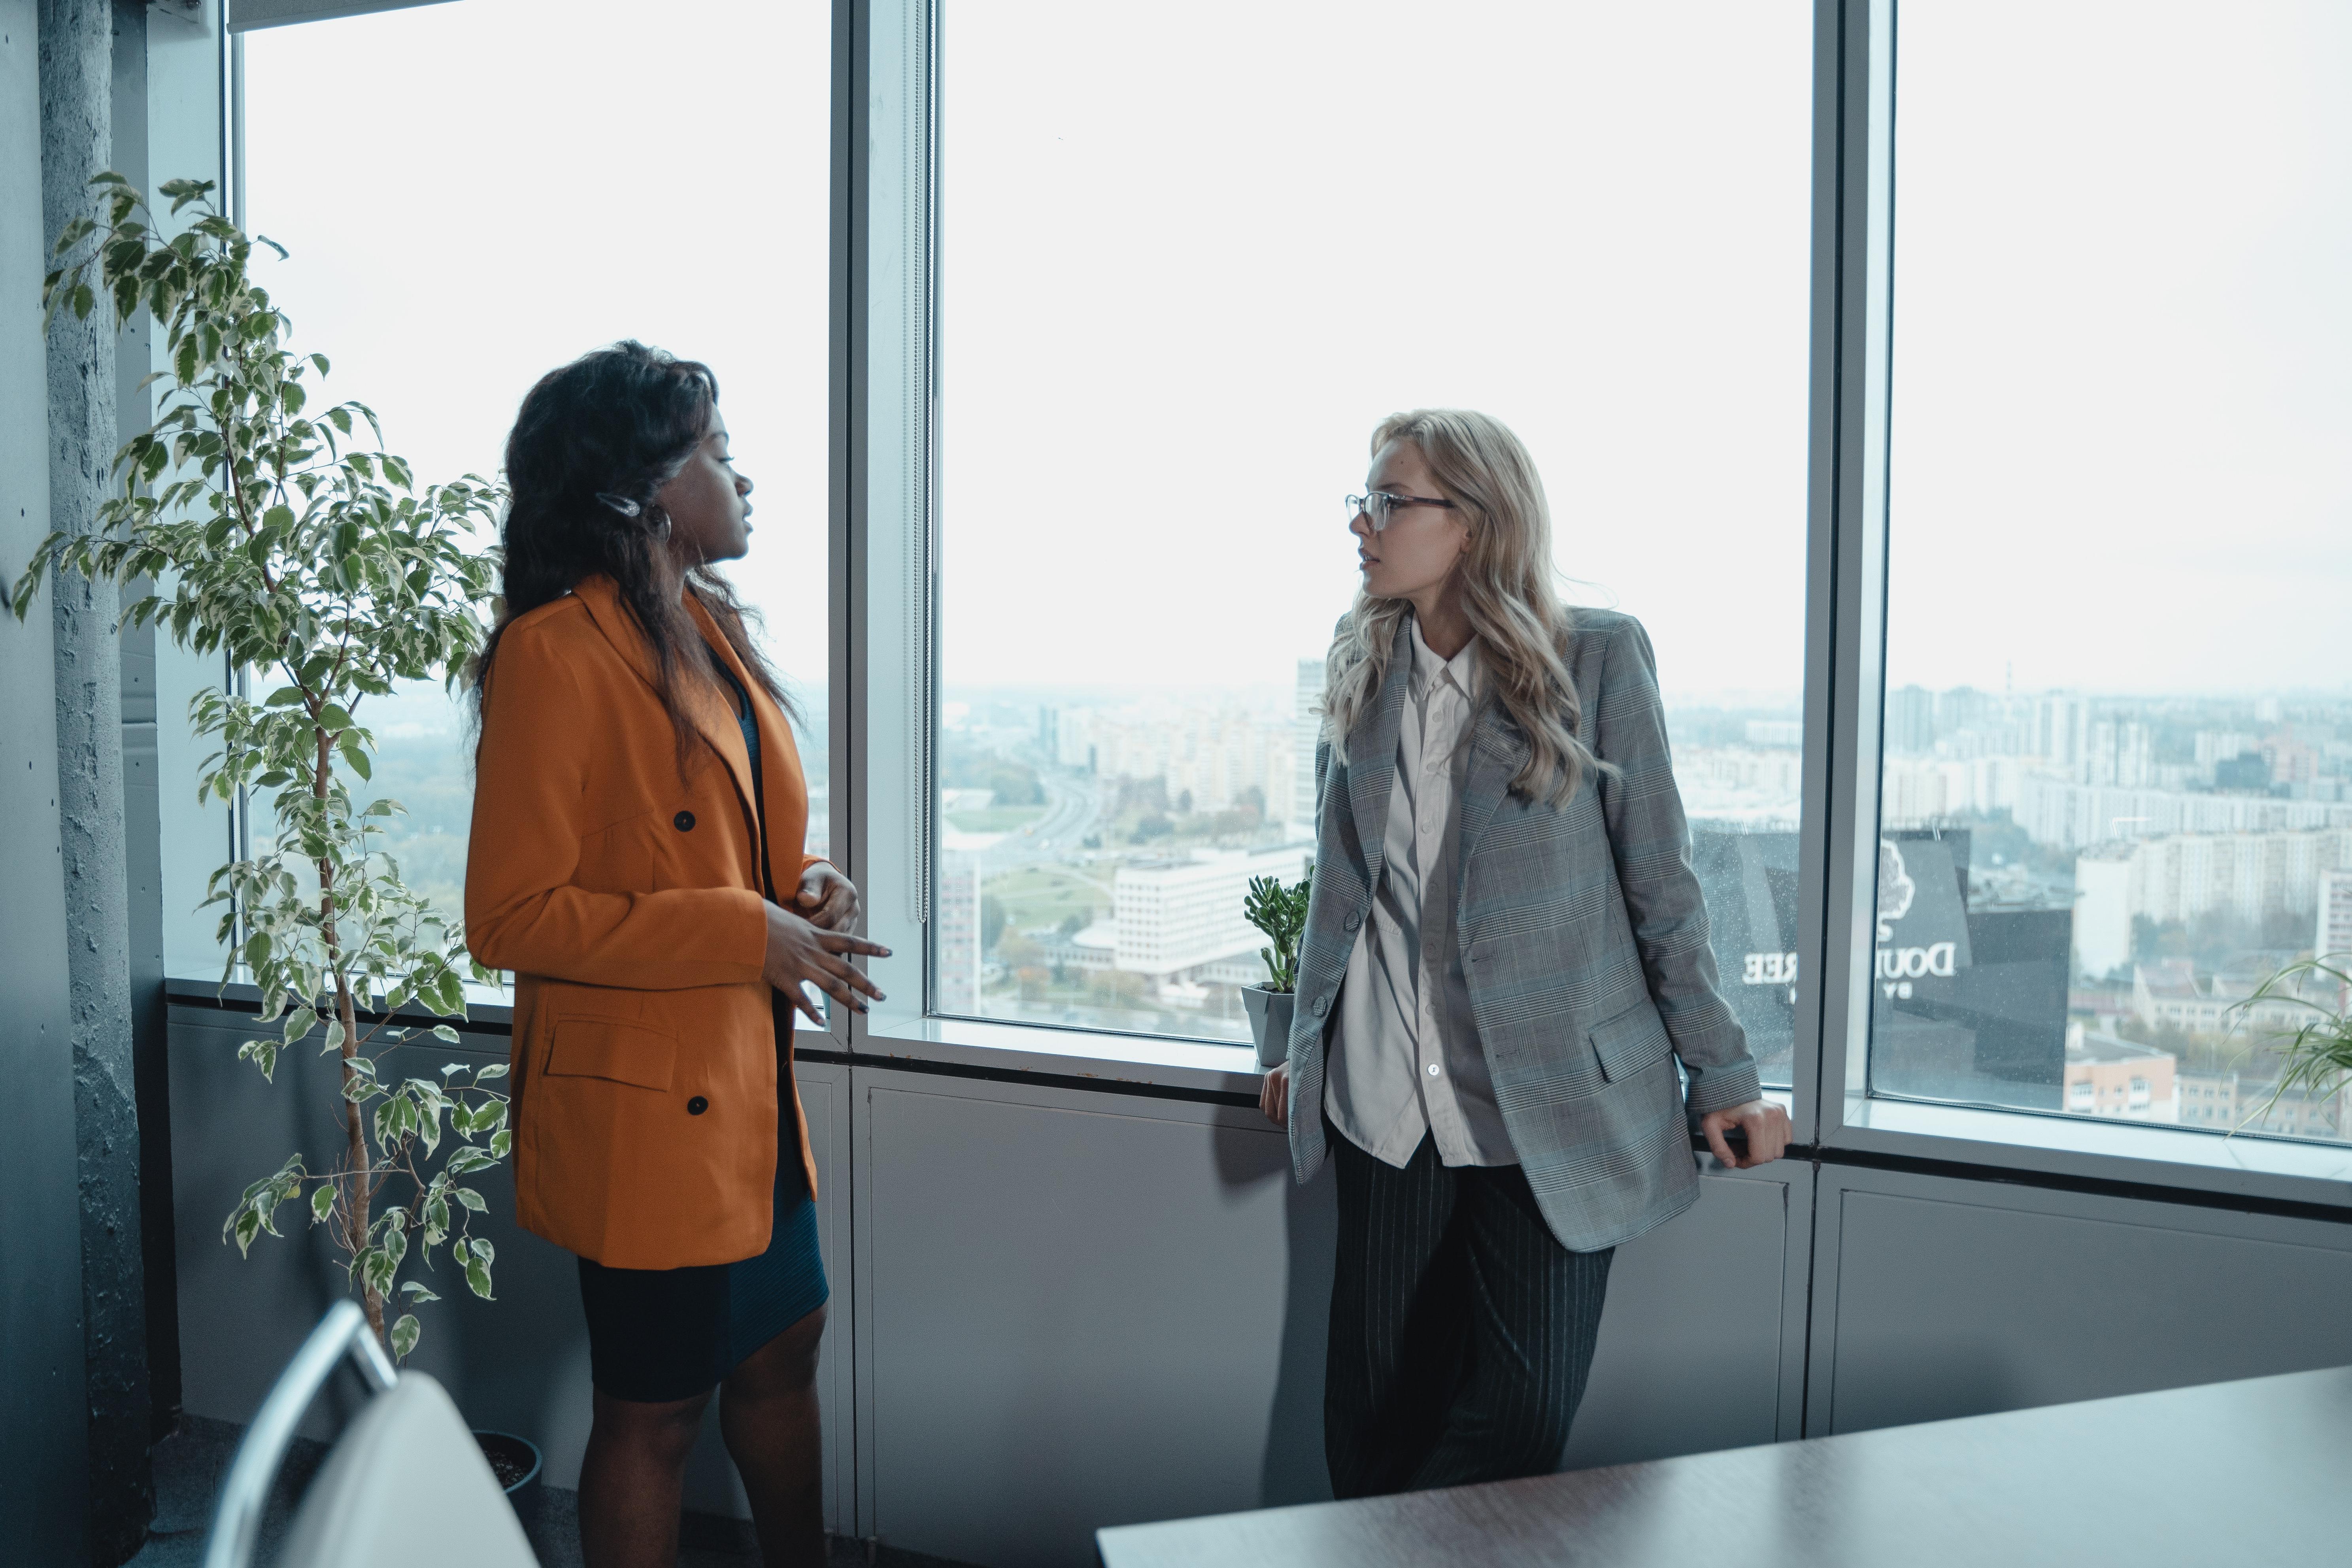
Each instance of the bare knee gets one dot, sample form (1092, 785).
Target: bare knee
(663, 1432)
(785, 1365)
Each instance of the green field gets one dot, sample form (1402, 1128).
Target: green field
(1037, 896)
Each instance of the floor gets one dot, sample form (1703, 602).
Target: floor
(190, 1463)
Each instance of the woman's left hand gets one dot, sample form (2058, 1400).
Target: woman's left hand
(827, 899)
(1765, 1124)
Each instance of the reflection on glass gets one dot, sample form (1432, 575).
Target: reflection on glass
(2117, 782)
(1178, 290)
(463, 216)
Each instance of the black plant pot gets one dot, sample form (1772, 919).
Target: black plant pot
(516, 1462)
(1269, 1017)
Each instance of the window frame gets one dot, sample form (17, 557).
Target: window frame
(885, 601)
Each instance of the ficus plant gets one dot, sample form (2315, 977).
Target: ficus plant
(246, 522)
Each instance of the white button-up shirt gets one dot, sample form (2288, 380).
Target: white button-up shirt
(1408, 1062)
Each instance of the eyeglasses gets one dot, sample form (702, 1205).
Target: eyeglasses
(1380, 506)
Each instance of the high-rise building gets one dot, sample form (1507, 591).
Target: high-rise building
(2182, 876)
(1179, 915)
(2061, 730)
(2056, 810)
(955, 907)
(1966, 708)
(2220, 745)
(1910, 720)
(1307, 725)
(2334, 936)
(2121, 752)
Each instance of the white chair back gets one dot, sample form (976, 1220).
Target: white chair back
(405, 1478)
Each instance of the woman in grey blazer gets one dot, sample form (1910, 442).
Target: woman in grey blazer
(1505, 957)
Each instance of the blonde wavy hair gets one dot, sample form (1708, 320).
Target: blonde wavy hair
(1524, 630)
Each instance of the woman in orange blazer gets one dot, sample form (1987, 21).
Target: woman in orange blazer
(639, 805)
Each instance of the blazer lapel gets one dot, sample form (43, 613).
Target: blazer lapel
(1497, 752)
(780, 757)
(1372, 756)
(704, 705)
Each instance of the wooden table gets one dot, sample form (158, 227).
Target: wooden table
(2218, 1477)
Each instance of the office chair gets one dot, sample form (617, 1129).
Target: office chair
(406, 1477)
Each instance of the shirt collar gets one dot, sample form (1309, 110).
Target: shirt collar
(1428, 669)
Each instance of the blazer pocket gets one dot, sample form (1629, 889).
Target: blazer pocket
(1630, 1044)
(601, 1048)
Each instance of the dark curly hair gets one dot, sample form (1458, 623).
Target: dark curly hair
(617, 423)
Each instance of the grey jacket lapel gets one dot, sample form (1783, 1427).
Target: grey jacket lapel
(1497, 752)
(1372, 756)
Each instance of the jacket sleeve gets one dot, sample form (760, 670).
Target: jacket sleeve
(523, 910)
(1650, 840)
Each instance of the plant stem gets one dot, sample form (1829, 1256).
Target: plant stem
(355, 1149)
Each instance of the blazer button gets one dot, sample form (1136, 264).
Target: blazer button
(682, 822)
(1354, 921)
(696, 1106)
(1322, 1005)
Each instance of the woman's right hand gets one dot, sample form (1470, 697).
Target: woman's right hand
(1274, 1094)
(798, 950)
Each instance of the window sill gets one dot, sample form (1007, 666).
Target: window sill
(490, 1009)
(1128, 1060)
(2247, 1165)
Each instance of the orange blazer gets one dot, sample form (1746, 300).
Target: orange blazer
(627, 902)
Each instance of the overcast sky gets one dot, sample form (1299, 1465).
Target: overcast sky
(1192, 255)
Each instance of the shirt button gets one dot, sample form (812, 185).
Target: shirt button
(698, 1105)
(1433, 1069)
(682, 822)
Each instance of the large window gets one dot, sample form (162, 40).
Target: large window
(2118, 779)
(474, 193)
(1188, 258)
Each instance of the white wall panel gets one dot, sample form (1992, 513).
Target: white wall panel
(1702, 1343)
(1938, 1297)
(1079, 1310)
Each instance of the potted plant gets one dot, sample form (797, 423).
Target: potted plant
(247, 525)
(2316, 1061)
(1281, 913)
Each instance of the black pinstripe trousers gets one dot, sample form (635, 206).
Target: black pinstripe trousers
(1462, 1331)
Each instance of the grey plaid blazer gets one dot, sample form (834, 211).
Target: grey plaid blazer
(1583, 936)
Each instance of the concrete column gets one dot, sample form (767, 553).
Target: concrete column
(77, 68)
(43, 1426)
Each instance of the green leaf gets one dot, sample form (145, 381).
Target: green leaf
(444, 1032)
(405, 1335)
(477, 1278)
(471, 1199)
(263, 1054)
(419, 1290)
(322, 1203)
(248, 1225)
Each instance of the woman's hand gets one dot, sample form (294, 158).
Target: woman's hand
(799, 951)
(828, 898)
(1765, 1124)
(1274, 1094)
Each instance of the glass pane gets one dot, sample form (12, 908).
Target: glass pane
(2118, 779)
(473, 194)
(1182, 280)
